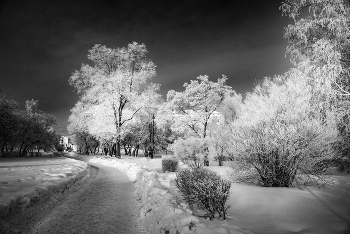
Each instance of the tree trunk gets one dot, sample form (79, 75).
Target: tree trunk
(221, 157)
(2, 151)
(151, 137)
(137, 151)
(145, 152)
(205, 129)
(20, 149)
(119, 125)
(206, 153)
(117, 151)
(125, 149)
(113, 149)
(118, 142)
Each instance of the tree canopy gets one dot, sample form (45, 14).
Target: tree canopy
(191, 109)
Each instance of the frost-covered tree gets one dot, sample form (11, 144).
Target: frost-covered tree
(319, 41)
(191, 110)
(219, 134)
(149, 104)
(80, 122)
(319, 46)
(117, 79)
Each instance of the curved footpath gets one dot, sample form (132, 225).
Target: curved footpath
(103, 202)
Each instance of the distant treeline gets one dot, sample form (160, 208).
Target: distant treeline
(24, 132)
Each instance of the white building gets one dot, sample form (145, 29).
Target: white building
(66, 142)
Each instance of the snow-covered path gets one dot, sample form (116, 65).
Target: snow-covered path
(103, 203)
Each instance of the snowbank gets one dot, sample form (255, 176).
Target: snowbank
(160, 211)
(257, 209)
(24, 182)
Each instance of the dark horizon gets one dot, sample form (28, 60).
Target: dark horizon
(43, 43)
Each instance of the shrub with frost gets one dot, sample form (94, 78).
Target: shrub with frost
(206, 189)
(282, 131)
(192, 151)
(169, 164)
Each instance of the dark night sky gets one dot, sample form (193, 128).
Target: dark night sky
(43, 42)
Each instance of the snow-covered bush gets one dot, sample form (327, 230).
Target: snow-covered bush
(186, 178)
(184, 182)
(204, 188)
(192, 151)
(279, 131)
(278, 149)
(169, 164)
(243, 172)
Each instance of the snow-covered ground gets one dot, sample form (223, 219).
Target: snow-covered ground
(252, 209)
(26, 180)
